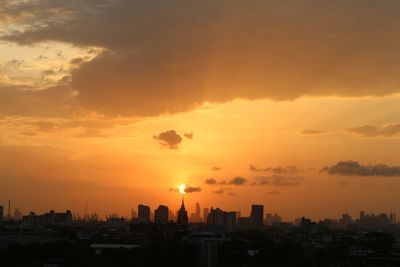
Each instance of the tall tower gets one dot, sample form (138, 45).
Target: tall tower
(9, 210)
(198, 218)
(257, 215)
(182, 213)
(144, 214)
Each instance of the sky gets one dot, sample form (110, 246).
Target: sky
(291, 104)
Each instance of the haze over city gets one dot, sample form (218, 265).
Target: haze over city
(293, 105)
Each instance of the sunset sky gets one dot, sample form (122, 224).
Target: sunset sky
(291, 104)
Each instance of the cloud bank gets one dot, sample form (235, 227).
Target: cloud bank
(353, 168)
(171, 56)
(374, 131)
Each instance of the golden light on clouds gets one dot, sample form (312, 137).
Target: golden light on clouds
(151, 94)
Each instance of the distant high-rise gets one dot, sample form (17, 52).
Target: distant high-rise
(257, 214)
(198, 219)
(206, 211)
(17, 214)
(182, 215)
(1, 215)
(9, 210)
(144, 214)
(161, 214)
(226, 219)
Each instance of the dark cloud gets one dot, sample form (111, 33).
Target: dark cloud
(279, 180)
(169, 138)
(216, 168)
(57, 101)
(353, 168)
(238, 181)
(211, 181)
(191, 189)
(374, 131)
(275, 170)
(154, 64)
(188, 135)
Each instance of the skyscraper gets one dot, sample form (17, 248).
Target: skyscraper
(206, 211)
(198, 219)
(1, 215)
(182, 214)
(144, 214)
(257, 214)
(161, 214)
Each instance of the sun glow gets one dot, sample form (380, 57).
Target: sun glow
(182, 188)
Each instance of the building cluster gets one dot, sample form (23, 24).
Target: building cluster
(49, 218)
(229, 220)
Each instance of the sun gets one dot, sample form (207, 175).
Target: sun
(182, 188)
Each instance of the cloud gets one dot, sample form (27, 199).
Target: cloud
(188, 135)
(276, 170)
(219, 191)
(211, 181)
(223, 191)
(279, 180)
(57, 101)
(353, 168)
(312, 132)
(273, 192)
(191, 189)
(169, 138)
(188, 189)
(154, 64)
(238, 181)
(216, 168)
(374, 131)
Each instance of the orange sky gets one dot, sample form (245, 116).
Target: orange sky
(117, 102)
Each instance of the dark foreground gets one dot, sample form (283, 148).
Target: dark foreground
(195, 245)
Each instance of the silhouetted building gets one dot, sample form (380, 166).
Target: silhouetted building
(198, 218)
(50, 218)
(345, 221)
(206, 211)
(226, 219)
(182, 215)
(17, 214)
(257, 214)
(271, 219)
(215, 217)
(171, 216)
(308, 227)
(1, 214)
(144, 214)
(161, 214)
(244, 222)
(230, 220)
(8, 217)
(115, 221)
